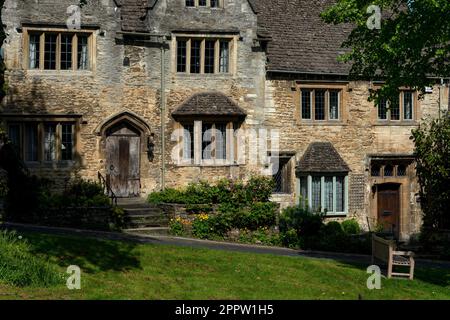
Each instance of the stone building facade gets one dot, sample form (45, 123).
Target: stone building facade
(133, 92)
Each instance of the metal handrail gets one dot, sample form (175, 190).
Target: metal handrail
(107, 189)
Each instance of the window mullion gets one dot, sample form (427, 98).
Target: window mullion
(188, 56)
(346, 194)
(198, 142)
(58, 51)
(310, 192)
(41, 51)
(202, 56)
(217, 56)
(322, 194)
(75, 52)
(334, 195)
(58, 142)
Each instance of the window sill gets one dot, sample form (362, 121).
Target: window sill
(396, 123)
(60, 72)
(182, 75)
(322, 123)
(53, 165)
(335, 215)
(207, 165)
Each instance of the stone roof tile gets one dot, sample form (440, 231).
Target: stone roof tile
(321, 157)
(209, 104)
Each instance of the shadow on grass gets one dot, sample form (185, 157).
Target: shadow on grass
(432, 275)
(90, 255)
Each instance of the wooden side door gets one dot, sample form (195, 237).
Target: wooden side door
(123, 161)
(389, 208)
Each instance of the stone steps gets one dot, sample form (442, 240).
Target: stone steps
(142, 216)
(151, 231)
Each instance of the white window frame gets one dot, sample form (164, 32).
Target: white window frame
(322, 196)
(198, 160)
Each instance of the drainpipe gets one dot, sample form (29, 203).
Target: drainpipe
(163, 114)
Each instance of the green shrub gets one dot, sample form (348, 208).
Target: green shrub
(176, 227)
(351, 227)
(84, 189)
(19, 267)
(199, 208)
(263, 236)
(236, 192)
(306, 223)
(201, 227)
(259, 214)
(169, 195)
(118, 218)
(259, 188)
(289, 238)
(333, 228)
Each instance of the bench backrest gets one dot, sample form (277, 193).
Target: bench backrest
(382, 248)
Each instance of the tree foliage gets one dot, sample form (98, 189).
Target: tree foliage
(411, 47)
(432, 148)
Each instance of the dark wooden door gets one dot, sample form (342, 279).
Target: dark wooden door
(123, 161)
(389, 208)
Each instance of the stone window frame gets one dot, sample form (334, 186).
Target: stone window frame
(231, 141)
(232, 54)
(401, 120)
(322, 176)
(381, 165)
(40, 123)
(342, 112)
(220, 4)
(42, 31)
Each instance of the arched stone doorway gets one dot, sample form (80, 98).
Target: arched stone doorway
(123, 160)
(124, 146)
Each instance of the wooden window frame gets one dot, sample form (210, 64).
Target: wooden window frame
(232, 54)
(40, 124)
(309, 178)
(59, 32)
(327, 101)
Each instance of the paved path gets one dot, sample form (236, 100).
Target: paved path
(216, 245)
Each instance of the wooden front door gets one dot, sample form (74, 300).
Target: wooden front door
(389, 208)
(123, 161)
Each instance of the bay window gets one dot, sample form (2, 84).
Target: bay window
(207, 143)
(325, 193)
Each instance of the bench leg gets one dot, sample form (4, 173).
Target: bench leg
(411, 269)
(389, 269)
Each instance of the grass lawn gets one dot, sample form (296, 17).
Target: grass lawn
(124, 270)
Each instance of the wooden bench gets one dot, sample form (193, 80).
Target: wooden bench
(385, 250)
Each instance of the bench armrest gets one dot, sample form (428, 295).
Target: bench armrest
(403, 253)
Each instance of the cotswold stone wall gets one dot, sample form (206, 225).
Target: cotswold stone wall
(112, 88)
(356, 137)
